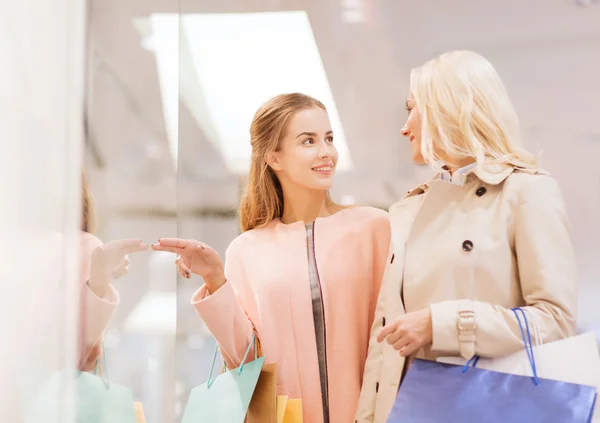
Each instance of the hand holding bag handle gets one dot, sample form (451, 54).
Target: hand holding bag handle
(434, 391)
(257, 352)
(225, 397)
(253, 341)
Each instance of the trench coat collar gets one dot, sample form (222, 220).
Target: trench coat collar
(491, 174)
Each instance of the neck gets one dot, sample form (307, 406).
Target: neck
(304, 205)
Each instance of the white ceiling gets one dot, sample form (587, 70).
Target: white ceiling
(547, 51)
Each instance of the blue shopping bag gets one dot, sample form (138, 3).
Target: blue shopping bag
(225, 399)
(437, 392)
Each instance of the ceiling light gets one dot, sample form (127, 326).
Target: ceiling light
(229, 64)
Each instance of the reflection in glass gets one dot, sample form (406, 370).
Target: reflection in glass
(130, 161)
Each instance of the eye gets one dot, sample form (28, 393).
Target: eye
(308, 141)
(329, 139)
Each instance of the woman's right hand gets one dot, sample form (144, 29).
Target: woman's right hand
(195, 257)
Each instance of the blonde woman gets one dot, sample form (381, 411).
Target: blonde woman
(305, 273)
(488, 233)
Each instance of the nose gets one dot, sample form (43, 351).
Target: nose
(404, 131)
(324, 150)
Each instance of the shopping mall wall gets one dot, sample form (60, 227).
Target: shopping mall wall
(41, 106)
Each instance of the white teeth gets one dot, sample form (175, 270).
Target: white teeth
(322, 169)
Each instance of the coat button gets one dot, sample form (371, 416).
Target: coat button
(467, 245)
(481, 191)
(392, 260)
(377, 387)
(383, 322)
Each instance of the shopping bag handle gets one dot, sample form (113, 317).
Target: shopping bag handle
(100, 370)
(526, 341)
(257, 352)
(241, 368)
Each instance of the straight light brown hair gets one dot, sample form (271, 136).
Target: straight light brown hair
(88, 217)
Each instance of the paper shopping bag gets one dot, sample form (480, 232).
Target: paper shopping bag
(574, 359)
(263, 406)
(139, 412)
(281, 407)
(225, 398)
(96, 401)
(433, 391)
(293, 411)
(289, 410)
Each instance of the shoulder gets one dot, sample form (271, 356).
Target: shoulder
(369, 222)
(416, 191)
(527, 186)
(364, 215)
(522, 178)
(251, 238)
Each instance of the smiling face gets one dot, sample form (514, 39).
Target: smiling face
(306, 156)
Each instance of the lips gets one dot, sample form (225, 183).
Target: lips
(324, 169)
(326, 166)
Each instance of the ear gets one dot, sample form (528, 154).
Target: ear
(273, 160)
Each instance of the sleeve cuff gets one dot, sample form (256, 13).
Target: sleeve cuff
(444, 325)
(205, 303)
(99, 312)
(202, 294)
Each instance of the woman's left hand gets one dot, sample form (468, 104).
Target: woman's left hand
(409, 333)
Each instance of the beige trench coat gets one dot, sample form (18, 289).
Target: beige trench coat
(471, 252)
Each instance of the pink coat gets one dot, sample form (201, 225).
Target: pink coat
(96, 312)
(268, 289)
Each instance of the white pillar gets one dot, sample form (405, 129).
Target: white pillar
(41, 109)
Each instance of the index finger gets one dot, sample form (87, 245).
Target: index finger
(174, 242)
(134, 249)
(130, 243)
(387, 331)
(158, 247)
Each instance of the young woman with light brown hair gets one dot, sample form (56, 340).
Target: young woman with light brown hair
(304, 275)
(99, 264)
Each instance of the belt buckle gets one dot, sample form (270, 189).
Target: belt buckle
(466, 326)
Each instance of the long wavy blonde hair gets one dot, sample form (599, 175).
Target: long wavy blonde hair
(466, 113)
(262, 200)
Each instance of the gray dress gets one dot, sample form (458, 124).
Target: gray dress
(319, 317)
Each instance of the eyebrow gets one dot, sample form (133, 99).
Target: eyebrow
(312, 134)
